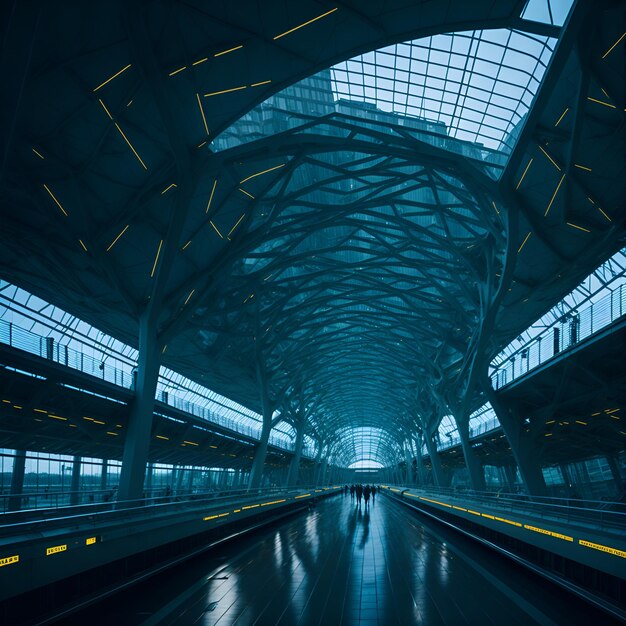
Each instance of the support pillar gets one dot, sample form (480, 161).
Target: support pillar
(472, 462)
(409, 465)
(104, 474)
(149, 472)
(510, 471)
(524, 452)
(435, 462)
(179, 479)
(294, 466)
(17, 480)
(75, 486)
(138, 435)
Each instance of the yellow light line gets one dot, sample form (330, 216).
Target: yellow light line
(130, 145)
(98, 422)
(38, 410)
(495, 207)
(561, 118)
(237, 224)
(217, 231)
(156, 259)
(84, 247)
(202, 144)
(38, 154)
(524, 174)
(606, 54)
(54, 198)
(605, 215)
(524, 242)
(217, 93)
(113, 434)
(186, 245)
(129, 103)
(548, 435)
(191, 443)
(180, 69)
(247, 194)
(208, 206)
(164, 349)
(582, 167)
(200, 61)
(57, 417)
(578, 227)
(291, 30)
(550, 158)
(554, 195)
(606, 104)
(104, 106)
(583, 423)
(162, 437)
(116, 239)
(189, 297)
(263, 82)
(202, 113)
(219, 54)
(108, 80)
(168, 188)
(271, 169)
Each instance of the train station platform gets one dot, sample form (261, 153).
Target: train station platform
(340, 563)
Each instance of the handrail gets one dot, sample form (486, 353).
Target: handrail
(597, 513)
(567, 332)
(49, 348)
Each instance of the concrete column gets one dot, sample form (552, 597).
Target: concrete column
(408, 459)
(567, 476)
(321, 479)
(75, 485)
(179, 479)
(474, 466)
(260, 454)
(104, 474)
(435, 462)
(510, 471)
(524, 452)
(17, 480)
(137, 443)
(190, 481)
(149, 472)
(294, 466)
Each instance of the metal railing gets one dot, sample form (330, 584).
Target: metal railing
(571, 329)
(598, 514)
(51, 349)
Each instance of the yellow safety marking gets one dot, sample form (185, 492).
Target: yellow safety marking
(597, 546)
(9, 560)
(543, 531)
(56, 549)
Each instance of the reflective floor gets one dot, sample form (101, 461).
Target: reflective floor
(341, 564)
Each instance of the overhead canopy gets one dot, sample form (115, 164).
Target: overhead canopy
(423, 182)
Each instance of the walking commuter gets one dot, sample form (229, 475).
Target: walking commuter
(373, 493)
(366, 494)
(351, 492)
(359, 494)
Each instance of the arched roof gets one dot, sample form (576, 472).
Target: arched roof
(373, 259)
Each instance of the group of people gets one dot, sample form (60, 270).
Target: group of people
(362, 492)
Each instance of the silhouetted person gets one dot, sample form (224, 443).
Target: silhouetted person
(351, 492)
(373, 493)
(359, 494)
(366, 494)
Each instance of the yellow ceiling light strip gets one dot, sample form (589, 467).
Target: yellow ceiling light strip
(561, 118)
(187, 300)
(247, 194)
(38, 154)
(186, 245)
(554, 196)
(156, 259)
(235, 226)
(117, 238)
(82, 244)
(524, 242)
(524, 174)
(606, 104)
(605, 215)
(105, 108)
(130, 145)
(582, 167)
(55, 200)
(586, 230)
(200, 61)
(270, 169)
(219, 54)
(202, 113)
(216, 229)
(180, 69)
(550, 158)
(162, 437)
(263, 82)
(208, 206)
(108, 80)
(295, 28)
(168, 188)
(606, 54)
(495, 207)
(217, 93)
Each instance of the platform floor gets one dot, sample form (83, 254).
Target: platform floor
(344, 565)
